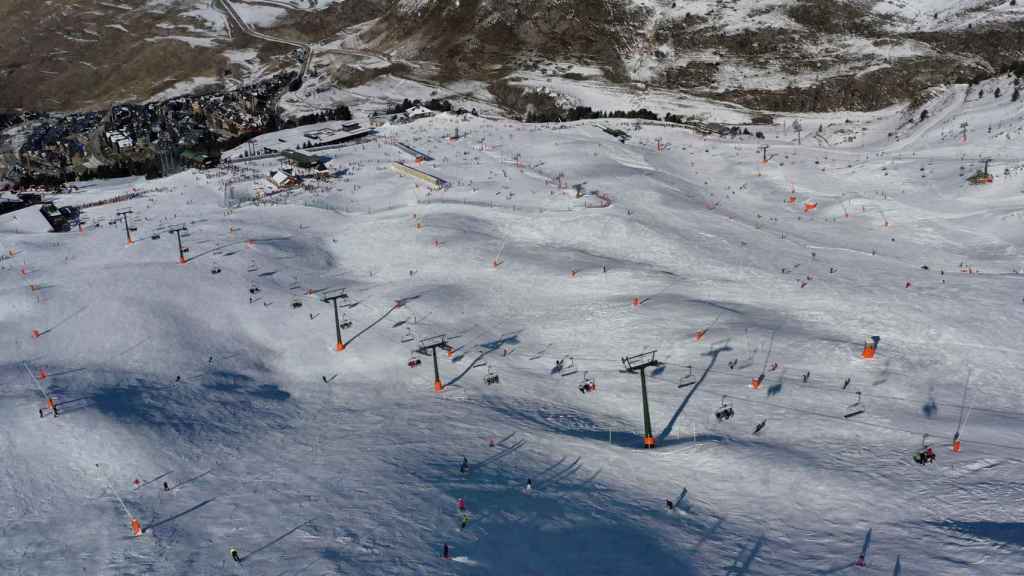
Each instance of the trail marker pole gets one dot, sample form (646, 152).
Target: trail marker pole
(181, 251)
(432, 344)
(639, 363)
(340, 346)
(127, 228)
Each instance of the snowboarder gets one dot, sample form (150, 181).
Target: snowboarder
(234, 555)
(846, 383)
(807, 376)
(461, 504)
(444, 554)
(465, 465)
(732, 363)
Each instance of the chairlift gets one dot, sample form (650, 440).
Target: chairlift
(854, 409)
(491, 377)
(215, 270)
(926, 454)
(569, 368)
(345, 323)
(296, 303)
(414, 362)
(409, 336)
(725, 411)
(588, 384)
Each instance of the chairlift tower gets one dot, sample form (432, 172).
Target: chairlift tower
(127, 229)
(181, 251)
(431, 345)
(640, 363)
(340, 346)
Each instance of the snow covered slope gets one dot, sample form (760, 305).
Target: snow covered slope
(220, 376)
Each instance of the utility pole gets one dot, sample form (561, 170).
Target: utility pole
(432, 344)
(340, 346)
(181, 251)
(639, 363)
(127, 229)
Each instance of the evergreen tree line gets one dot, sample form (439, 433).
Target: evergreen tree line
(434, 104)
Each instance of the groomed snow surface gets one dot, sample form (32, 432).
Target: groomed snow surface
(312, 461)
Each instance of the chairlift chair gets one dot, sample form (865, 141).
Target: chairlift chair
(854, 409)
(568, 367)
(725, 411)
(345, 323)
(409, 336)
(491, 377)
(414, 362)
(588, 384)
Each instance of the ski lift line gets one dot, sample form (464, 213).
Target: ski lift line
(35, 381)
(871, 425)
(110, 485)
(960, 427)
(768, 356)
(841, 418)
(963, 401)
(797, 381)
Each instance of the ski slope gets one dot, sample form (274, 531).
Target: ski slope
(313, 461)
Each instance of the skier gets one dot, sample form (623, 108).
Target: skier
(465, 465)
(465, 522)
(760, 426)
(444, 554)
(807, 375)
(846, 383)
(860, 560)
(166, 487)
(529, 485)
(40, 412)
(461, 504)
(669, 505)
(234, 555)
